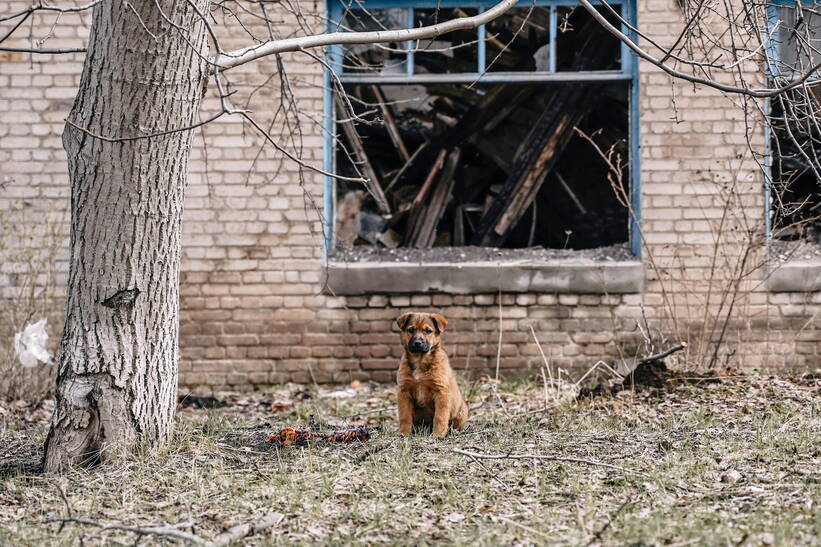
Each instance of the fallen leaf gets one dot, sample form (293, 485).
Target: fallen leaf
(731, 477)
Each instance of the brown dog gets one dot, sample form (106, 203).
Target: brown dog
(428, 392)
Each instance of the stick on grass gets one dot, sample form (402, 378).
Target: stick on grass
(544, 457)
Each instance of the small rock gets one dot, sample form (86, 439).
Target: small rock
(731, 477)
(767, 538)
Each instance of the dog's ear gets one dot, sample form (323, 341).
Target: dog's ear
(439, 322)
(404, 319)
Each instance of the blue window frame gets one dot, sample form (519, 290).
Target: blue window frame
(401, 67)
(795, 37)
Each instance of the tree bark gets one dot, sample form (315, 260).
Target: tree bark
(144, 73)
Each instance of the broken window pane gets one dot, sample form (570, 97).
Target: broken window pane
(454, 52)
(386, 59)
(574, 28)
(490, 164)
(798, 39)
(796, 183)
(518, 41)
(469, 150)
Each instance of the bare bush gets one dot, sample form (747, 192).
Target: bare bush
(28, 268)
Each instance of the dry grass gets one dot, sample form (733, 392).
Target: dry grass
(732, 462)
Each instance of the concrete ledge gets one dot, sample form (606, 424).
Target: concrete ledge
(560, 276)
(796, 276)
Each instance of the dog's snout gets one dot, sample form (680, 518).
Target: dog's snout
(418, 345)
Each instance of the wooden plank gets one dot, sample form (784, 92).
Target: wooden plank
(526, 188)
(438, 202)
(420, 197)
(358, 150)
(417, 211)
(390, 123)
(404, 168)
(570, 193)
(540, 151)
(507, 109)
(459, 227)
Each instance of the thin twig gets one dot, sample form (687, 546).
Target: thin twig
(41, 6)
(152, 135)
(167, 531)
(527, 528)
(69, 512)
(610, 519)
(292, 157)
(543, 457)
(241, 530)
(663, 354)
(363, 413)
(488, 471)
(761, 93)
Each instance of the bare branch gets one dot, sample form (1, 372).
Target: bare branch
(167, 531)
(41, 6)
(294, 158)
(251, 53)
(242, 530)
(152, 135)
(543, 457)
(759, 93)
(54, 51)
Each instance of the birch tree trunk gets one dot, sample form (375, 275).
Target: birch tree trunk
(144, 73)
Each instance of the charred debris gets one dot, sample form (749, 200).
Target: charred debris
(488, 164)
(795, 190)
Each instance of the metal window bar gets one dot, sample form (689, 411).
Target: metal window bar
(551, 75)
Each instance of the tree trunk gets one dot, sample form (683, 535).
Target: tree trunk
(144, 73)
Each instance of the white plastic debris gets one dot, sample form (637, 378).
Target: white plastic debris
(30, 345)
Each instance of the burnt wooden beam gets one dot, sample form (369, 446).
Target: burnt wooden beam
(426, 234)
(417, 210)
(358, 150)
(390, 123)
(540, 151)
(550, 136)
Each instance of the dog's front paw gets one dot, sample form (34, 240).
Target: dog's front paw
(404, 431)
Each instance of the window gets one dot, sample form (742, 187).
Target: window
(795, 137)
(796, 43)
(794, 140)
(489, 137)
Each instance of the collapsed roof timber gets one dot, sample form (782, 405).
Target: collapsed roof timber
(501, 164)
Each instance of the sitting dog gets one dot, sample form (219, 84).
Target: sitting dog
(428, 392)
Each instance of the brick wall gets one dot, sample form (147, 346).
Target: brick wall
(252, 308)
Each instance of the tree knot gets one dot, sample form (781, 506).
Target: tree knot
(122, 299)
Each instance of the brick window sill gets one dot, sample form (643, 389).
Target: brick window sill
(795, 276)
(555, 276)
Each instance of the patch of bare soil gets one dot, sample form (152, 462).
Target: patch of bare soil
(373, 253)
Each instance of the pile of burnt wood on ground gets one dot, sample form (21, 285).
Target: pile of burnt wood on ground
(496, 164)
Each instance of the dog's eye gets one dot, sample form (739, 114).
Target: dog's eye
(428, 331)
(411, 330)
